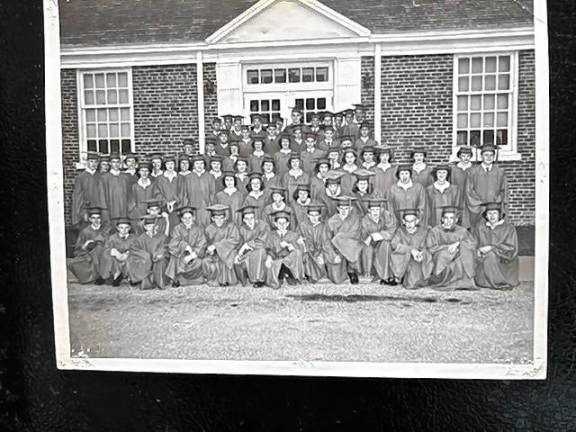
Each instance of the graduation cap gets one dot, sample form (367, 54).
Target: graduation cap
(156, 155)
(255, 116)
(492, 206)
(285, 135)
(223, 132)
(268, 158)
(239, 118)
(228, 173)
(245, 127)
(449, 209)
(339, 114)
(333, 176)
(346, 138)
(211, 139)
(312, 135)
(302, 187)
(105, 158)
(296, 110)
(363, 174)
(295, 128)
(345, 200)
(234, 142)
(121, 220)
(249, 209)
(441, 167)
(131, 156)
(410, 212)
(228, 116)
(348, 111)
(170, 158)
(149, 219)
(464, 150)
(182, 157)
(488, 148)
(258, 138)
(278, 190)
(383, 149)
(218, 209)
(186, 209)
(328, 128)
(216, 158)
(153, 203)
(333, 149)
(321, 161)
(403, 167)
(367, 149)
(92, 156)
(375, 202)
(94, 210)
(292, 156)
(347, 150)
(241, 159)
(314, 207)
(216, 120)
(255, 174)
(315, 115)
(197, 157)
(143, 165)
(365, 125)
(281, 214)
(115, 156)
(360, 107)
(418, 150)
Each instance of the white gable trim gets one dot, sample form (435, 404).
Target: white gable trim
(315, 5)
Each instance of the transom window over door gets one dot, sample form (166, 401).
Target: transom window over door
(484, 100)
(106, 111)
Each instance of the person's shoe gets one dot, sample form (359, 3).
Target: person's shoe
(225, 284)
(384, 282)
(353, 278)
(175, 284)
(258, 284)
(116, 282)
(133, 284)
(99, 281)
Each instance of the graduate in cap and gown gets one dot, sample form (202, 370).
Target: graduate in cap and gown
(282, 156)
(251, 254)
(166, 189)
(154, 208)
(229, 161)
(131, 164)
(421, 172)
(230, 196)
(410, 261)
(318, 180)
(147, 258)
(156, 161)
(88, 191)
(332, 192)
(364, 139)
(256, 197)
(278, 196)
(378, 229)
(116, 184)
(221, 144)
(368, 158)
(236, 129)
(104, 165)
(497, 250)
(216, 172)
(222, 241)
(256, 128)
(298, 144)
(198, 191)
(86, 264)
(345, 233)
(362, 190)
(142, 192)
(384, 173)
(284, 253)
(300, 201)
(453, 250)
(295, 176)
(116, 251)
(349, 165)
(310, 154)
(257, 155)
(406, 194)
(186, 248)
(245, 147)
(269, 176)
(242, 174)
(272, 138)
(441, 193)
(486, 183)
(459, 177)
(349, 127)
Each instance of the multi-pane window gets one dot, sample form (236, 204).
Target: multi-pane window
(106, 111)
(287, 74)
(269, 109)
(484, 94)
(309, 106)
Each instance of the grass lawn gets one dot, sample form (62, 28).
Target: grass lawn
(366, 322)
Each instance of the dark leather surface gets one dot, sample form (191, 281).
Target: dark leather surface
(34, 396)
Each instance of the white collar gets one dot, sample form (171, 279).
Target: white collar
(383, 166)
(487, 168)
(364, 138)
(199, 173)
(131, 171)
(350, 169)
(258, 153)
(287, 151)
(492, 226)
(305, 202)
(405, 186)
(335, 164)
(256, 194)
(157, 173)
(441, 188)
(216, 174)
(144, 184)
(464, 166)
(188, 227)
(96, 228)
(230, 191)
(281, 207)
(89, 171)
(184, 173)
(295, 173)
(170, 176)
(223, 145)
(282, 233)
(373, 220)
(369, 165)
(242, 175)
(338, 191)
(419, 167)
(269, 175)
(311, 150)
(114, 172)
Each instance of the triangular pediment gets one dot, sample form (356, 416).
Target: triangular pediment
(287, 20)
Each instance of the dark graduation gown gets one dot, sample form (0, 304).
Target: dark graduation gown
(360, 205)
(347, 181)
(317, 244)
(228, 164)
(498, 269)
(298, 146)
(88, 192)
(413, 197)
(459, 177)
(451, 271)
(359, 144)
(290, 182)
(218, 268)
(255, 162)
(168, 190)
(86, 264)
(317, 188)
(375, 258)
(241, 184)
(245, 148)
(218, 182)
(138, 197)
(110, 265)
(272, 145)
(269, 218)
(309, 160)
(345, 237)
(274, 181)
(220, 150)
(424, 177)
(259, 203)
(300, 212)
(331, 203)
(198, 191)
(281, 163)
(412, 274)
(436, 200)
(382, 181)
(483, 187)
(234, 201)
(251, 264)
(292, 260)
(178, 270)
(116, 193)
(147, 261)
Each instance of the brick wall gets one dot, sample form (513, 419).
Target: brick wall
(367, 92)
(210, 94)
(70, 150)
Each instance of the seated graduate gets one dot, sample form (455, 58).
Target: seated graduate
(497, 252)
(222, 241)
(318, 180)
(251, 255)
(256, 196)
(147, 258)
(320, 259)
(411, 262)
(116, 252)
(230, 196)
(345, 232)
(378, 229)
(282, 156)
(257, 155)
(441, 193)
(362, 190)
(405, 194)
(284, 253)
(278, 195)
(453, 250)
(301, 199)
(310, 154)
(295, 176)
(333, 191)
(154, 208)
(86, 264)
(186, 248)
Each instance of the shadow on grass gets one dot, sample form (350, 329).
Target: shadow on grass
(354, 298)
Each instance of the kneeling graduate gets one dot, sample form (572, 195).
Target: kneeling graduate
(116, 252)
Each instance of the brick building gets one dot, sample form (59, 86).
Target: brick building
(141, 75)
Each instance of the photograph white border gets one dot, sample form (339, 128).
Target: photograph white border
(535, 370)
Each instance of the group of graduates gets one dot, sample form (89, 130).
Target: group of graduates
(295, 203)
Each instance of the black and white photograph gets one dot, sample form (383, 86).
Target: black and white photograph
(299, 187)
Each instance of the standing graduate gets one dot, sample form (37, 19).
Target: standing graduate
(318, 180)
(349, 127)
(421, 172)
(269, 176)
(116, 251)
(147, 258)
(221, 144)
(295, 176)
(349, 165)
(216, 125)
(216, 172)
(497, 252)
(223, 238)
(278, 196)
(199, 190)
(320, 259)
(229, 162)
(441, 193)
(86, 264)
(242, 178)
(410, 261)
(230, 196)
(298, 144)
(272, 138)
(256, 197)
(384, 173)
(282, 156)
(116, 185)
(284, 253)
(188, 145)
(257, 156)
(368, 157)
(345, 233)
(236, 129)
(245, 147)
(333, 156)
(453, 250)
(167, 189)
(156, 161)
(257, 128)
(186, 248)
(486, 183)
(88, 192)
(362, 190)
(405, 194)
(327, 141)
(251, 255)
(131, 163)
(310, 154)
(364, 139)
(332, 192)
(378, 229)
(459, 177)
(142, 191)
(104, 165)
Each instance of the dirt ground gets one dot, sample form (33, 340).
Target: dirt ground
(366, 322)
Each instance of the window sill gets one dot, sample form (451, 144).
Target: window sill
(508, 156)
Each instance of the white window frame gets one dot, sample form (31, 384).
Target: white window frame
(288, 86)
(506, 154)
(82, 136)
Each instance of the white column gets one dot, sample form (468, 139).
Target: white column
(377, 93)
(200, 84)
